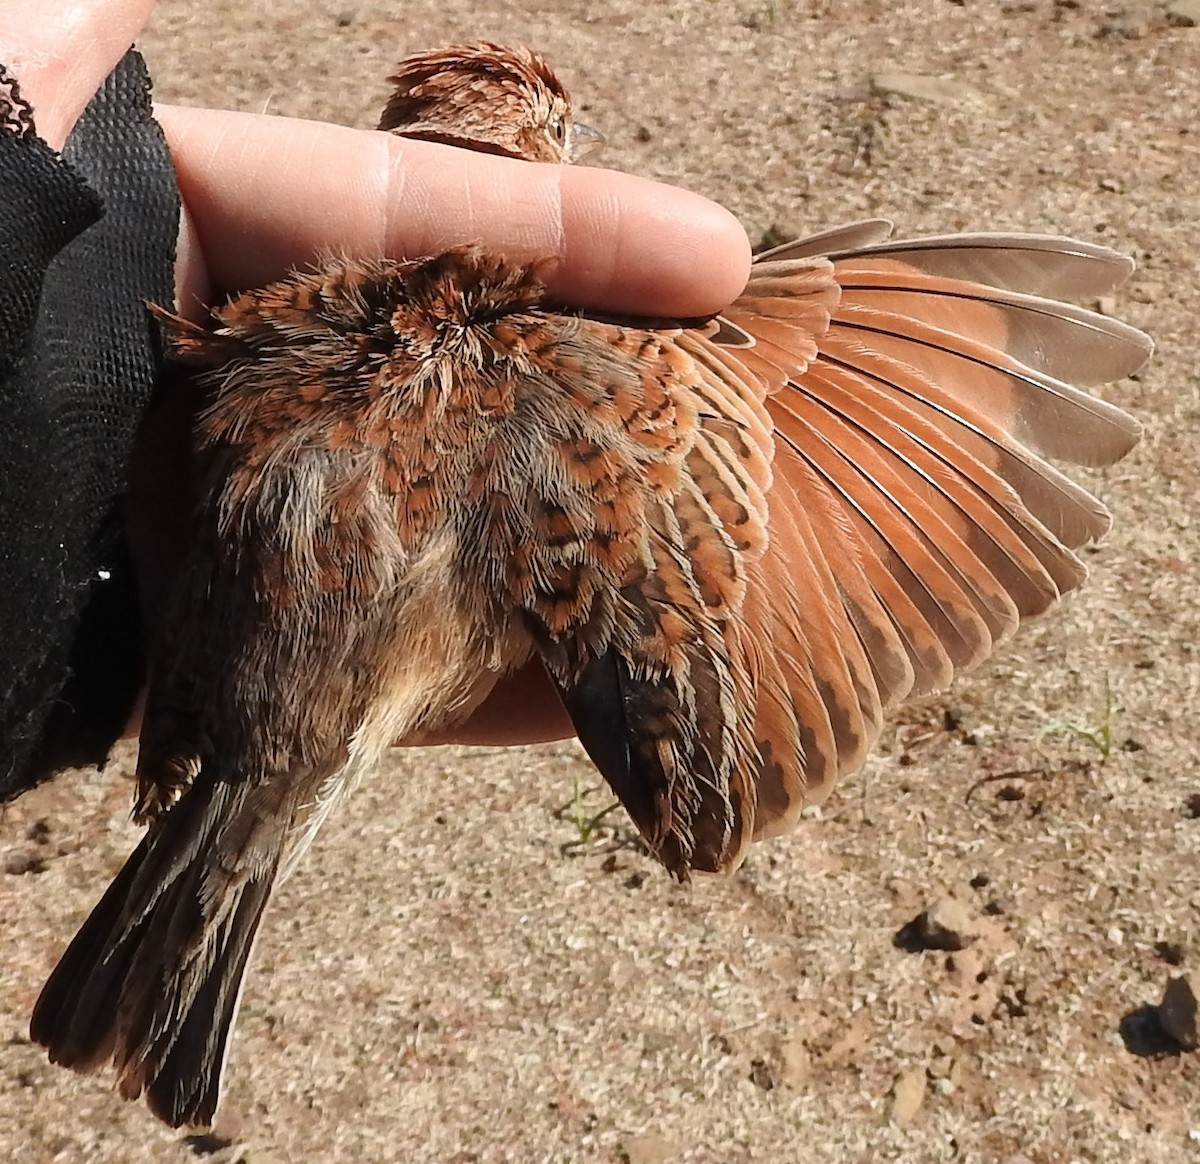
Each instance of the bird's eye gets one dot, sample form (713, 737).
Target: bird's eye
(558, 128)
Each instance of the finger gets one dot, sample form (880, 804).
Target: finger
(523, 708)
(60, 51)
(268, 194)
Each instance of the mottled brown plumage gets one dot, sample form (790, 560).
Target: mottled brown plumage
(489, 98)
(733, 546)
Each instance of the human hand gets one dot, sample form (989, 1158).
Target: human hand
(263, 195)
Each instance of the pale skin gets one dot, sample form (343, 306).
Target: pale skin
(257, 193)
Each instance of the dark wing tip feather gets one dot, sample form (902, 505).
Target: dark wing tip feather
(596, 703)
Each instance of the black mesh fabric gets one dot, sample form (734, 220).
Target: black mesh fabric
(86, 240)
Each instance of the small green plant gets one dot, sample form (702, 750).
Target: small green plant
(764, 16)
(1100, 735)
(578, 813)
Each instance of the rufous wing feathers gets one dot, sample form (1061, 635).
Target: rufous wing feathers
(896, 526)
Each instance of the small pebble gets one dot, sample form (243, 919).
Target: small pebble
(649, 1148)
(1184, 13)
(761, 1075)
(908, 1094)
(1177, 1013)
(947, 925)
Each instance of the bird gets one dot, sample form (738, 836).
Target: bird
(733, 544)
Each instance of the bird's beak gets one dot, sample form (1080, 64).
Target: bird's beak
(583, 140)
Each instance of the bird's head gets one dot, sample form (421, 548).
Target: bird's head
(490, 98)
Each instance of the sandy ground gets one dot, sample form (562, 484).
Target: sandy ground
(466, 971)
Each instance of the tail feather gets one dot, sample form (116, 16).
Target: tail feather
(179, 1068)
(153, 979)
(66, 1020)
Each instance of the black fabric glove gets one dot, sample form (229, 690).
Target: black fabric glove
(86, 239)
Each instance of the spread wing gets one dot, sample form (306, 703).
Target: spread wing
(745, 542)
(913, 518)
